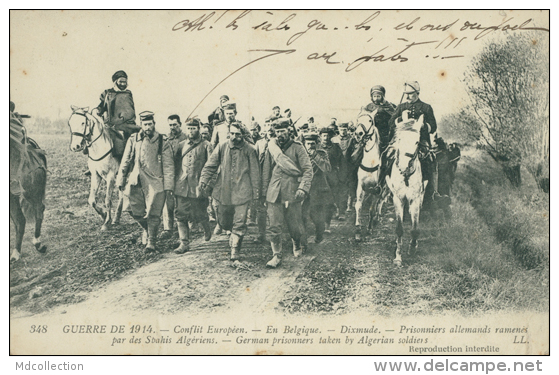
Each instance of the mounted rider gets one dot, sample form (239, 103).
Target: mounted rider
(416, 108)
(384, 111)
(116, 107)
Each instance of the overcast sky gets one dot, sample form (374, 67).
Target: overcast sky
(64, 58)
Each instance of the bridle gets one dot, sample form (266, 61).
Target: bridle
(86, 135)
(369, 133)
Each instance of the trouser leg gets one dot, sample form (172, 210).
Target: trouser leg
(261, 221)
(184, 235)
(169, 213)
(275, 213)
(294, 218)
(317, 217)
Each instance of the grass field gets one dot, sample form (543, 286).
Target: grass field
(493, 255)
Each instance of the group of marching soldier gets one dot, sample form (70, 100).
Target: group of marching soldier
(280, 173)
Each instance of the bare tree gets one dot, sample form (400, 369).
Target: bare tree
(508, 84)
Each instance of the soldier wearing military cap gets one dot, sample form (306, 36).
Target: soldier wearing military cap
(235, 164)
(286, 181)
(276, 114)
(385, 110)
(220, 133)
(314, 205)
(416, 108)
(175, 136)
(335, 155)
(152, 176)
(345, 140)
(217, 115)
(117, 108)
(190, 156)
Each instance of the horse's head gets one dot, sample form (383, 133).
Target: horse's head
(407, 138)
(366, 130)
(80, 128)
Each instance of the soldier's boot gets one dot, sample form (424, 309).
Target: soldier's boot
(443, 200)
(211, 214)
(235, 242)
(276, 251)
(153, 228)
(297, 249)
(144, 224)
(184, 235)
(218, 229)
(168, 225)
(207, 230)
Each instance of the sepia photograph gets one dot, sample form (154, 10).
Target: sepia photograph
(279, 182)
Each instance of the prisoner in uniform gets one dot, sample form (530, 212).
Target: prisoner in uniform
(151, 177)
(335, 155)
(190, 157)
(315, 203)
(176, 135)
(345, 140)
(238, 175)
(286, 181)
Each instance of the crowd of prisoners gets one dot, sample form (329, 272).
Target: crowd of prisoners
(273, 174)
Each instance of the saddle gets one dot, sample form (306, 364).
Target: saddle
(119, 142)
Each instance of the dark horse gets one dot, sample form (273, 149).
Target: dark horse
(28, 179)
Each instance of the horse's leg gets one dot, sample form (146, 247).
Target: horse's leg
(16, 214)
(94, 187)
(358, 206)
(39, 211)
(118, 213)
(415, 208)
(108, 199)
(399, 210)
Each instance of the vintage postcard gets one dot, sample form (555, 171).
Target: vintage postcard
(279, 182)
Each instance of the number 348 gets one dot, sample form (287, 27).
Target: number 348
(38, 329)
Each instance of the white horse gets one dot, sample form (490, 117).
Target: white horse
(368, 174)
(89, 133)
(406, 181)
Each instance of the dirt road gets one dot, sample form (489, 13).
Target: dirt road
(87, 268)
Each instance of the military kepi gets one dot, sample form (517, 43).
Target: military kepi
(119, 74)
(411, 87)
(282, 123)
(230, 106)
(146, 116)
(311, 137)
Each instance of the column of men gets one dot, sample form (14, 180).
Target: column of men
(287, 175)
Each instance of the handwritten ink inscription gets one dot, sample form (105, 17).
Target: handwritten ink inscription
(387, 48)
(391, 37)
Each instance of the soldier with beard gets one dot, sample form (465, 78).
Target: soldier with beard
(238, 176)
(286, 181)
(117, 106)
(385, 110)
(151, 178)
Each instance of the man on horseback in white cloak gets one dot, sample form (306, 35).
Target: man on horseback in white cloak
(416, 108)
(117, 110)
